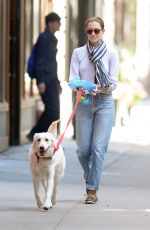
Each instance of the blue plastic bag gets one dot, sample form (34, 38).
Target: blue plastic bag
(87, 86)
(76, 83)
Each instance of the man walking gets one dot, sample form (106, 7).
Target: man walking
(46, 74)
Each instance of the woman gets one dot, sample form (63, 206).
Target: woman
(98, 64)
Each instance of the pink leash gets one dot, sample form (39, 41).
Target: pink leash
(70, 119)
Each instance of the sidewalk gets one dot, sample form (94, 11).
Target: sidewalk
(123, 204)
(116, 148)
(123, 138)
(123, 199)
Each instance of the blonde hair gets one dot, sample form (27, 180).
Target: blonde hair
(95, 19)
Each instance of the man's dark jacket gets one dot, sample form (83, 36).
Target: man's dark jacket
(46, 72)
(45, 57)
(46, 68)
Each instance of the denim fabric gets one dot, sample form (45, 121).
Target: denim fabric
(93, 129)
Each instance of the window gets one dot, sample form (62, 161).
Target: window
(4, 44)
(1, 79)
(31, 33)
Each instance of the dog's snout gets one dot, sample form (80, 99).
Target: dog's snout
(41, 148)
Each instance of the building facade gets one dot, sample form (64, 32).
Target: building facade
(21, 21)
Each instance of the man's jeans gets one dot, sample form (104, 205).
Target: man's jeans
(93, 129)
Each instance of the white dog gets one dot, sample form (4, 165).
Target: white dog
(47, 165)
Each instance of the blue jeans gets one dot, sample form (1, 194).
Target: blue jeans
(94, 124)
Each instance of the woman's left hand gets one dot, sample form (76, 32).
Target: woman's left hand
(100, 90)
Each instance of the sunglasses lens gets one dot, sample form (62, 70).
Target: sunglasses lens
(89, 31)
(96, 31)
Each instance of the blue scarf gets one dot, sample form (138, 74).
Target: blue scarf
(95, 55)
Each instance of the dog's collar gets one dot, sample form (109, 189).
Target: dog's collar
(45, 158)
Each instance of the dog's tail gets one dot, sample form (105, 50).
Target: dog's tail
(53, 127)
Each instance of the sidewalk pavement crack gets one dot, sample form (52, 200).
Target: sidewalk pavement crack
(63, 217)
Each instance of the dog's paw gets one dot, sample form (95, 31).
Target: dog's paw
(53, 201)
(47, 206)
(40, 205)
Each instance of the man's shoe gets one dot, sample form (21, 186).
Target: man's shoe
(91, 199)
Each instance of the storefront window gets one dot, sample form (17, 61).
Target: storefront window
(35, 12)
(1, 79)
(2, 53)
(4, 27)
(31, 34)
(28, 44)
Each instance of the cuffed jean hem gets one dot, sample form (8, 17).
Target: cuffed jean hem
(91, 187)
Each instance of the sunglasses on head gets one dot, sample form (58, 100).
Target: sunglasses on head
(96, 31)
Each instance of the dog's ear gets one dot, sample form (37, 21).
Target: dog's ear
(53, 128)
(35, 137)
